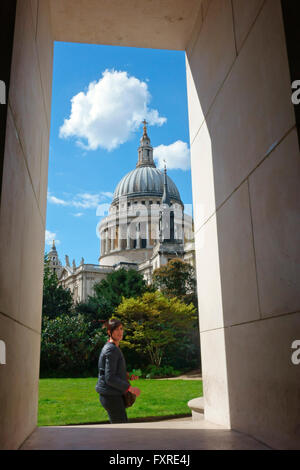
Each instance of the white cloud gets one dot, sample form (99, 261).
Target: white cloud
(81, 200)
(56, 200)
(86, 201)
(49, 237)
(78, 214)
(176, 155)
(108, 194)
(109, 111)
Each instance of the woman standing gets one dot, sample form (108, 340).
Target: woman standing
(113, 379)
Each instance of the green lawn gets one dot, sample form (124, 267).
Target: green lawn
(74, 401)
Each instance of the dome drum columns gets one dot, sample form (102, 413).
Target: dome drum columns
(141, 232)
(128, 238)
(124, 237)
(106, 242)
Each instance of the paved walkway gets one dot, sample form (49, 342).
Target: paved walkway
(192, 375)
(172, 434)
(175, 434)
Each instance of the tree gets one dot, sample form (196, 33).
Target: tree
(118, 284)
(57, 301)
(153, 321)
(92, 311)
(177, 279)
(68, 347)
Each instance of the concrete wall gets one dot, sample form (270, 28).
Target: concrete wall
(245, 173)
(163, 24)
(22, 220)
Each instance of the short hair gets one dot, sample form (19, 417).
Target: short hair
(111, 325)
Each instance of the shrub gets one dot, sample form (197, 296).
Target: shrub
(165, 371)
(154, 324)
(67, 348)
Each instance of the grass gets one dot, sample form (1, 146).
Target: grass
(75, 401)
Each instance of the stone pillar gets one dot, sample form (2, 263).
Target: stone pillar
(120, 234)
(82, 280)
(245, 180)
(138, 238)
(107, 241)
(102, 244)
(128, 237)
(23, 209)
(147, 234)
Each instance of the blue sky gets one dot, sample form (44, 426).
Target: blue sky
(94, 138)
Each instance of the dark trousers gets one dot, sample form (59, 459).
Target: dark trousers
(115, 407)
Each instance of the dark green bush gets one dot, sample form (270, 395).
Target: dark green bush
(68, 348)
(153, 371)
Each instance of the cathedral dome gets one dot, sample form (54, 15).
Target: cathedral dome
(145, 181)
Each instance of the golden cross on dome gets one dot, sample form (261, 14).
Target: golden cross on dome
(145, 122)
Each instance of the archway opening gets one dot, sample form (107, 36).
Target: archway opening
(106, 172)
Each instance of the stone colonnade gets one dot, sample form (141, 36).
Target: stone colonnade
(135, 230)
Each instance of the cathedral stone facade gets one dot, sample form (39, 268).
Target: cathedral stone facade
(145, 228)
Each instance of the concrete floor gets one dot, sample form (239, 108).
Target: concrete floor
(175, 434)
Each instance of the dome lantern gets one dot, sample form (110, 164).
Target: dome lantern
(145, 150)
